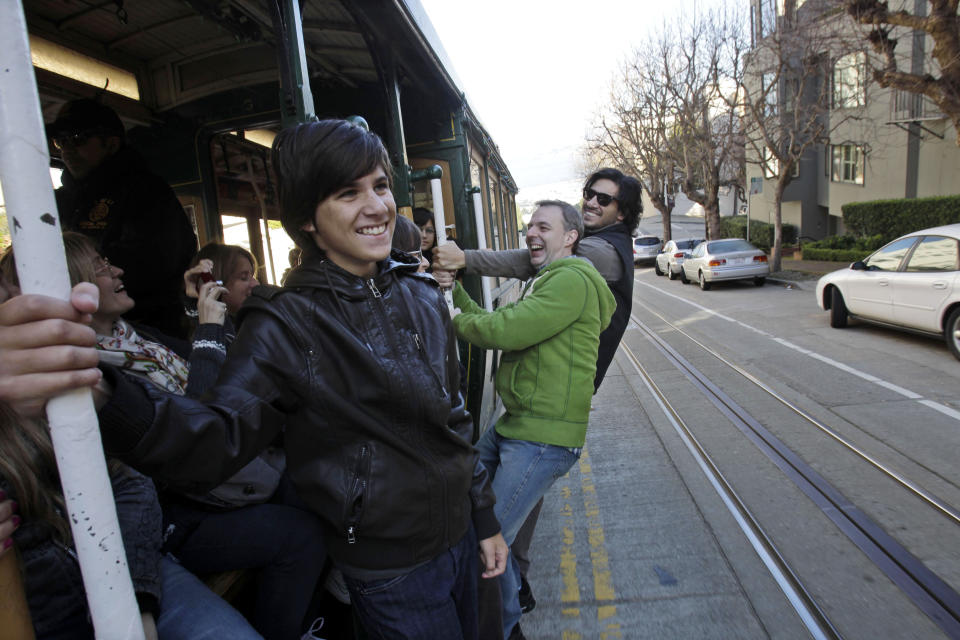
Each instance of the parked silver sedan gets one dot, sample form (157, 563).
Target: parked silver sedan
(646, 248)
(727, 259)
(913, 283)
(671, 257)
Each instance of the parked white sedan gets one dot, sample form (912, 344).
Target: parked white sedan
(727, 259)
(912, 283)
(669, 260)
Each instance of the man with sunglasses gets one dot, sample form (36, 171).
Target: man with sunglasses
(611, 210)
(110, 195)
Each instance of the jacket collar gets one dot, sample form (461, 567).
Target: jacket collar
(317, 272)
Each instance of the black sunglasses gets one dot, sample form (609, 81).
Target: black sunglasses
(75, 139)
(603, 199)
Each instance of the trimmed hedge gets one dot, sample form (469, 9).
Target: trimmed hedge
(834, 255)
(761, 233)
(842, 248)
(891, 219)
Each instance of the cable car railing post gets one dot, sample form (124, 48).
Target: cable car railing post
(433, 173)
(42, 269)
(481, 244)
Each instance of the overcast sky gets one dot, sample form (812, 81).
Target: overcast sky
(536, 71)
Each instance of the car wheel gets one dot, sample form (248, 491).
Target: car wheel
(758, 282)
(838, 309)
(952, 332)
(670, 274)
(683, 276)
(703, 281)
(656, 269)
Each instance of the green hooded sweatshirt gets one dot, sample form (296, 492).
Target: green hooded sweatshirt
(549, 340)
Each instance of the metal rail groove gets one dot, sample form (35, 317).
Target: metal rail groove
(810, 613)
(927, 590)
(933, 501)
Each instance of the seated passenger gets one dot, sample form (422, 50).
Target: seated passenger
(406, 238)
(229, 264)
(355, 357)
(227, 528)
(174, 605)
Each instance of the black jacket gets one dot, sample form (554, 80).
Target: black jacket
(364, 375)
(139, 225)
(619, 237)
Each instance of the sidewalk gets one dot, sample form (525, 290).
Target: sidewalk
(803, 274)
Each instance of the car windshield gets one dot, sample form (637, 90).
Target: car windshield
(728, 246)
(687, 244)
(640, 242)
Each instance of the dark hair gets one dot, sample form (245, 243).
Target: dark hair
(572, 220)
(628, 194)
(313, 160)
(225, 258)
(406, 235)
(422, 216)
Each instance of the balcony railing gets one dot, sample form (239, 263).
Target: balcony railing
(912, 107)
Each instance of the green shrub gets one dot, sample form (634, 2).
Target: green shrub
(868, 244)
(891, 219)
(761, 233)
(833, 255)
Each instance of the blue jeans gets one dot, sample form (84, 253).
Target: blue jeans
(436, 601)
(190, 611)
(521, 472)
(283, 543)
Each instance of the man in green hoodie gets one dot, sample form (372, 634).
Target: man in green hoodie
(549, 340)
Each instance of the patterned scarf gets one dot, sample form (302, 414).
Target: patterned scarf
(143, 358)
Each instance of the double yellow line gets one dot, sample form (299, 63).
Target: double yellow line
(603, 591)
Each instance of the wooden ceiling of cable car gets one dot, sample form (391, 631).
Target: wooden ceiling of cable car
(182, 50)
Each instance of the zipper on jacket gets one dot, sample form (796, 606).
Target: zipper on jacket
(373, 288)
(423, 356)
(358, 494)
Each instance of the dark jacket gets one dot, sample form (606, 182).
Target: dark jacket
(139, 225)
(619, 237)
(51, 572)
(363, 373)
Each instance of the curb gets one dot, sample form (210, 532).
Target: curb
(792, 284)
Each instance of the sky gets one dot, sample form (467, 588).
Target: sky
(537, 71)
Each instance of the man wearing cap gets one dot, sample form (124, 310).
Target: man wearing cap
(110, 195)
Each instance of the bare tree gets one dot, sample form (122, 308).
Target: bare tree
(633, 132)
(787, 99)
(941, 24)
(666, 121)
(703, 63)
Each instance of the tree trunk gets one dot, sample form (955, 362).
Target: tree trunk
(776, 249)
(665, 211)
(711, 211)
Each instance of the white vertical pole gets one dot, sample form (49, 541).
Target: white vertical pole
(482, 244)
(440, 224)
(42, 268)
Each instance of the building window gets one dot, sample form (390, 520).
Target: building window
(848, 163)
(849, 75)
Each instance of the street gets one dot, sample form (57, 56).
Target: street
(640, 539)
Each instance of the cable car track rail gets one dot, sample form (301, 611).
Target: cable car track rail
(933, 501)
(928, 591)
(813, 617)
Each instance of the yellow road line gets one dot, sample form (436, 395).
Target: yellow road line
(599, 558)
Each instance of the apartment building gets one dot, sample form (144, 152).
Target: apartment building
(882, 143)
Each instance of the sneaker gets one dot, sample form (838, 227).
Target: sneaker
(336, 586)
(311, 633)
(527, 601)
(516, 633)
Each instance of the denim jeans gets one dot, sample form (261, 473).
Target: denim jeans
(436, 601)
(283, 543)
(521, 472)
(190, 611)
